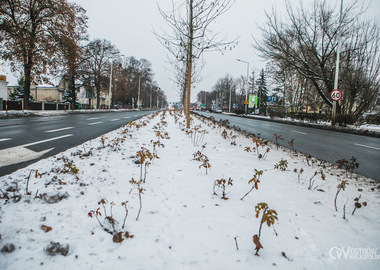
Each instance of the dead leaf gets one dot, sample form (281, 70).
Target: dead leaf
(256, 241)
(127, 235)
(46, 228)
(118, 237)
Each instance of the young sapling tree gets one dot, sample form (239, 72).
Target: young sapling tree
(298, 173)
(358, 204)
(269, 216)
(282, 165)
(291, 144)
(341, 186)
(254, 182)
(277, 137)
(140, 191)
(221, 184)
(144, 155)
(312, 180)
(348, 166)
(36, 175)
(118, 235)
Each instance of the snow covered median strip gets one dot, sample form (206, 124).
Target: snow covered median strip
(142, 197)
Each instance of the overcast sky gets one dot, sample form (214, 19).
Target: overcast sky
(129, 24)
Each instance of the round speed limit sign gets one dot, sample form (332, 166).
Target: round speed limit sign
(336, 95)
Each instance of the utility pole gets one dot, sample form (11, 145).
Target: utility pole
(205, 100)
(150, 100)
(246, 91)
(334, 109)
(229, 104)
(138, 94)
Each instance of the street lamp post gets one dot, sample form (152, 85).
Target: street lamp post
(109, 92)
(138, 94)
(246, 91)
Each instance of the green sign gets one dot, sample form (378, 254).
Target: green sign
(252, 101)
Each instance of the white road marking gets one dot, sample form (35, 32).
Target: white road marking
(5, 139)
(367, 146)
(94, 118)
(18, 154)
(47, 140)
(96, 123)
(59, 129)
(127, 117)
(299, 132)
(113, 120)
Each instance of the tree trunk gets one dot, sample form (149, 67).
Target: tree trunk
(73, 91)
(97, 86)
(27, 82)
(189, 63)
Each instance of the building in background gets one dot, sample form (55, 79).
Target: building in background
(3, 87)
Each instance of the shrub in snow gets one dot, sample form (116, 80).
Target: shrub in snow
(221, 184)
(269, 216)
(277, 137)
(55, 248)
(199, 156)
(140, 192)
(260, 143)
(348, 166)
(312, 180)
(298, 172)
(109, 223)
(358, 204)
(254, 182)
(144, 156)
(281, 165)
(8, 248)
(54, 197)
(341, 186)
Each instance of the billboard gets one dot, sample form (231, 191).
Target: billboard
(252, 101)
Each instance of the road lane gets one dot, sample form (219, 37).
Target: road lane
(27, 140)
(325, 144)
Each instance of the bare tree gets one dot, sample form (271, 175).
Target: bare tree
(26, 36)
(307, 41)
(96, 67)
(70, 36)
(191, 35)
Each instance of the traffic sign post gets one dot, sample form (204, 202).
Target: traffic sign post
(336, 95)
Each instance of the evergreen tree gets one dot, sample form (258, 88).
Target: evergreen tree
(262, 92)
(19, 92)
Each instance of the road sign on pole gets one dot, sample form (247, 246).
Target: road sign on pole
(336, 95)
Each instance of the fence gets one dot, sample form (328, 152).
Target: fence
(38, 106)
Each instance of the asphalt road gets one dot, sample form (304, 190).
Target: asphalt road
(26, 140)
(327, 145)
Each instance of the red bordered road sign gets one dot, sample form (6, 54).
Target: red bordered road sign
(336, 95)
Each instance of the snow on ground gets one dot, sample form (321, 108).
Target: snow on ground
(182, 224)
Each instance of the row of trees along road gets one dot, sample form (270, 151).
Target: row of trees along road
(229, 90)
(48, 38)
(302, 48)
